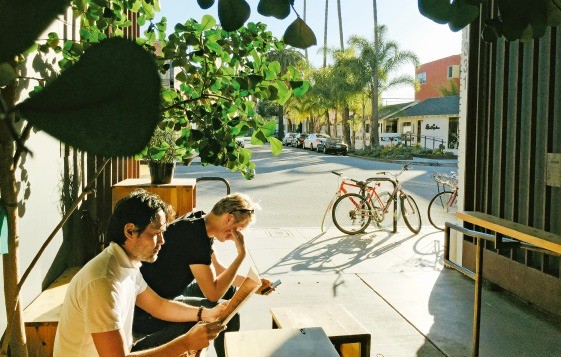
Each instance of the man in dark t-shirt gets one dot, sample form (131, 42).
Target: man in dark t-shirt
(188, 270)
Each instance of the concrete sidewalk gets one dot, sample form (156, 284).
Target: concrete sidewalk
(396, 286)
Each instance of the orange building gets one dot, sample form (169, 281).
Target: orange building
(433, 76)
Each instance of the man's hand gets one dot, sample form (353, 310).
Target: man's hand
(214, 313)
(240, 242)
(200, 335)
(264, 284)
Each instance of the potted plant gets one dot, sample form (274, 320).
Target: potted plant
(161, 153)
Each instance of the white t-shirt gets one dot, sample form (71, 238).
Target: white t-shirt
(100, 298)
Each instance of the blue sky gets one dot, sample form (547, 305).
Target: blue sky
(414, 32)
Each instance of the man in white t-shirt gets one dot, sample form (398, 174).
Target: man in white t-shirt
(96, 317)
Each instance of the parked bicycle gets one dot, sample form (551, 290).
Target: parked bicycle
(342, 187)
(353, 212)
(444, 205)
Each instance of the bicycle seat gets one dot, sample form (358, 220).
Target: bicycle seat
(338, 173)
(360, 183)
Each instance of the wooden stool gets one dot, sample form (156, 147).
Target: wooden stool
(339, 325)
(305, 342)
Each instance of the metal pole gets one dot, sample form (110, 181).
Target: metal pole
(477, 299)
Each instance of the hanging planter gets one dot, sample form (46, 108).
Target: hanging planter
(161, 172)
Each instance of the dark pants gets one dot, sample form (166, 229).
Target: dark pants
(158, 332)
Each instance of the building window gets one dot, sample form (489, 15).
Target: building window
(422, 77)
(453, 72)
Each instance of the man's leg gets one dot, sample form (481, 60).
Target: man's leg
(233, 324)
(172, 331)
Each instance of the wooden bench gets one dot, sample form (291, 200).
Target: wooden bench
(301, 342)
(42, 315)
(506, 233)
(347, 334)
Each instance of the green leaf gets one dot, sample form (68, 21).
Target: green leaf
(301, 90)
(7, 74)
(258, 138)
(21, 22)
(269, 128)
(233, 13)
(279, 9)
(207, 22)
(440, 11)
(276, 145)
(205, 4)
(462, 14)
(98, 107)
(299, 35)
(553, 13)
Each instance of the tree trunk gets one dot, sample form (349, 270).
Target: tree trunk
(374, 137)
(327, 123)
(281, 122)
(363, 123)
(325, 35)
(346, 133)
(8, 193)
(305, 50)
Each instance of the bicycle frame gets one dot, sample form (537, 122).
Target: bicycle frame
(341, 190)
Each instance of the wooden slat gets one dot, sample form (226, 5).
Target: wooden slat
(541, 119)
(497, 162)
(525, 136)
(530, 235)
(511, 122)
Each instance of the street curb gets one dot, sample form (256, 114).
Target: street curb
(412, 162)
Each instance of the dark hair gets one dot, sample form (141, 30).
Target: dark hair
(139, 208)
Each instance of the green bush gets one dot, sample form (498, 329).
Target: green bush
(401, 152)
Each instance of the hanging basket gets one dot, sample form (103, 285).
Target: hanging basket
(161, 172)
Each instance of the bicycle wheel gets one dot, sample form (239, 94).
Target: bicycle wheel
(411, 214)
(351, 213)
(382, 219)
(443, 208)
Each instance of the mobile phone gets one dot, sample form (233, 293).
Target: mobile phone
(273, 285)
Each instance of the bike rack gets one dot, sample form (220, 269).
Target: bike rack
(394, 230)
(214, 178)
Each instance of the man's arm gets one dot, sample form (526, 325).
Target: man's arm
(112, 343)
(214, 285)
(173, 311)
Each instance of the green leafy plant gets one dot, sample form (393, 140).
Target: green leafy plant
(162, 147)
(219, 78)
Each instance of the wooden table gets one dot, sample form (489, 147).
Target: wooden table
(180, 193)
(344, 331)
(305, 342)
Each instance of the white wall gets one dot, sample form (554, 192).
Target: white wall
(40, 181)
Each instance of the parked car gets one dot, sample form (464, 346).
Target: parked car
(288, 137)
(313, 140)
(333, 145)
(298, 140)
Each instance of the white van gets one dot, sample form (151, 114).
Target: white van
(390, 139)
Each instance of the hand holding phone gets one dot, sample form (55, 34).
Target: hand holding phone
(272, 286)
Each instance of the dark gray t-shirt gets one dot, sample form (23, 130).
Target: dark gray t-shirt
(186, 243)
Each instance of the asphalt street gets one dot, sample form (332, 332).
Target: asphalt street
(294, 188)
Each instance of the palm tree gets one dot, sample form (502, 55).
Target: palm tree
(345, 115)
(286, 57)
(377, 65)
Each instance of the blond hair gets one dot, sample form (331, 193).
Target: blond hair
(238, 204)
